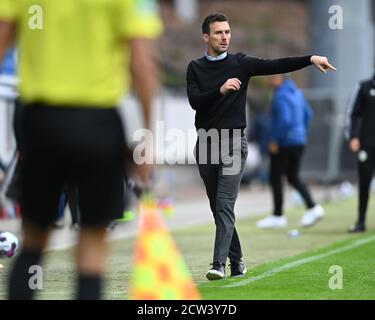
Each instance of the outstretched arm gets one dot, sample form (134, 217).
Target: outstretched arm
(264, 67)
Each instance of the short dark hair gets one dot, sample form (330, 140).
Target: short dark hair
(211, 18)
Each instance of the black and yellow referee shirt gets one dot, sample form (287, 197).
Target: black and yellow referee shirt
(72, 51)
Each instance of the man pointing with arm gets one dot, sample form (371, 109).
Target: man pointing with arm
(216, 87)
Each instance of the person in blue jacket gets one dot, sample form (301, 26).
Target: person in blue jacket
(291, 115)
(8, 65)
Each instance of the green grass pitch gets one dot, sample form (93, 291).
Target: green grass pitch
(283, 268)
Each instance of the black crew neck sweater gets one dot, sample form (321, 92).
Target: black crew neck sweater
(204, 79)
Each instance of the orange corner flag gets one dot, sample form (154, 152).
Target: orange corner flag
(160, 272)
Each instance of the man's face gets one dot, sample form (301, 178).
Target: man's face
(219, 38)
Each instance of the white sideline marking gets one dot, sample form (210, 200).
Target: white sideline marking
(298, 263)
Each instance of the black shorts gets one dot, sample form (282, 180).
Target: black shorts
(79, 146)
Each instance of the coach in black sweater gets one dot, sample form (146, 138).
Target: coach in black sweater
(216, 88)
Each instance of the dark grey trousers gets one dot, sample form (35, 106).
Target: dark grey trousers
(222, 180)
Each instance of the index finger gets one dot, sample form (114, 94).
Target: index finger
(331, 67)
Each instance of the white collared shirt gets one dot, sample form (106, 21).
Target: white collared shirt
(219, 57)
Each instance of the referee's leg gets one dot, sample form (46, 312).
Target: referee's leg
(41, 184)
(98, 173)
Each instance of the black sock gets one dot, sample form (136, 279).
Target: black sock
(18, 287)
(89, 287)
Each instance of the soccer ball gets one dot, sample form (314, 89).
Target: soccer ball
(8, 244)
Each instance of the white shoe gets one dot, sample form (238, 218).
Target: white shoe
(272, 222)
(312, 216)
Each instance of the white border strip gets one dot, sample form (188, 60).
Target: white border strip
(298, 263)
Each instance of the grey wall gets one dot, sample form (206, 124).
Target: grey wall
(351, 50)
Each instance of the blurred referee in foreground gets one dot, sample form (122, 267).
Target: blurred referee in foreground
(75, 57)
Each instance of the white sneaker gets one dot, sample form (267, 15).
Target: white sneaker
(272, 222)
(312, 216)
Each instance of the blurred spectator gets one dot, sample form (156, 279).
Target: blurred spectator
(290, 119)
(8, 65)
(361, 134)
(259, 133)
(8, 93)
(2, 167)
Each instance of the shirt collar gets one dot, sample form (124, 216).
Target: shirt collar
(218, 58)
